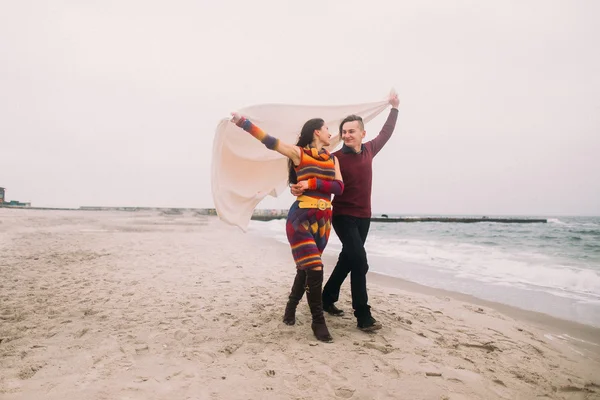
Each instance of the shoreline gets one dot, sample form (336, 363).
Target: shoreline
(423, 276)
(556, 326)
(583, 336)
(514, 298)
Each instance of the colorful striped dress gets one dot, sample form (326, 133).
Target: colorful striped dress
(308, 229)
(309, 218)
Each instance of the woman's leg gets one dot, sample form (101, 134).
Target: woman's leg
(304, 232)
(296, 234)
(314, 286)
(289, 317)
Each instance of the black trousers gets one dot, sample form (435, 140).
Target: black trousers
(353, 233)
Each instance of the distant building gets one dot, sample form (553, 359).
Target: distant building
(12, 203)
(16, 203)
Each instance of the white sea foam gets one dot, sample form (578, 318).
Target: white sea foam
(527, 270)
(556, 221)
(486, 264)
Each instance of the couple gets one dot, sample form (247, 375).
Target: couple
(314, 175)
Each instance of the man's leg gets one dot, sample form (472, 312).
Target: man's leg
(363, 225)
(348, 233)
(358, 282)
(359, 269)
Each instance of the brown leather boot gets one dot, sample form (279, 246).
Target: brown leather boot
(289, 317)
(314, 287)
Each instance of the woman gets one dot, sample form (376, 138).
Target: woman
(309, 218)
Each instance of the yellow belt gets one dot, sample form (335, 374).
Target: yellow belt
(311, 202)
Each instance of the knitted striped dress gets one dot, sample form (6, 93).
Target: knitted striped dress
(308, 229)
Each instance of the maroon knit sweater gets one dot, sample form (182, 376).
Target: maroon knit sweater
(357, 173)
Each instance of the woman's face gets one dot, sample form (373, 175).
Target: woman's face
(324, 135)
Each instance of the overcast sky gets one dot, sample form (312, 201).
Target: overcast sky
(115, 103)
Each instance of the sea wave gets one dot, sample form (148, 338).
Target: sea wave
(551, 260)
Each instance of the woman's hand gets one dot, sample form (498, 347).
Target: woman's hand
(303, 185)
(297, 189)
(272, 143)
(235, 117)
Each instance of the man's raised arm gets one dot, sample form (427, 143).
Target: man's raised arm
(388, 128)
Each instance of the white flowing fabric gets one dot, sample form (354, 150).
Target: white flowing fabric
(244, 171)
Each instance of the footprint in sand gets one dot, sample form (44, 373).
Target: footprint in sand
(344, 392)
(203, 357)
(180, 335)
(230, 349)
(385, 349)
(142, 349)
(29, 371)
(303, 382)
(81, 332)
(256, 365)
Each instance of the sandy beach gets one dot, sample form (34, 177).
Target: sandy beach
(151, 305)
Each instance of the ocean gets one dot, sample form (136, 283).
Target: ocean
(553, 267)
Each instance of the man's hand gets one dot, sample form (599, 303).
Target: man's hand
(393, 99)
(298, 189)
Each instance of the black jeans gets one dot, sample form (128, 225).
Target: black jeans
(352, 232)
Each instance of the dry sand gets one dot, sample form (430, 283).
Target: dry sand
(116, 305)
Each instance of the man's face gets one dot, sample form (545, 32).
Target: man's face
(352, 134)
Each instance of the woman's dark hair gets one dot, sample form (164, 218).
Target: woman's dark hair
(306, 138)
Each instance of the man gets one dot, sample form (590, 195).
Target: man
(352, 214)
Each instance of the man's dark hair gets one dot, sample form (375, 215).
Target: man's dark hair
(351, 118)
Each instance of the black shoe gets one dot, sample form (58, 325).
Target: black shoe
(333, 310)
(368, 325)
